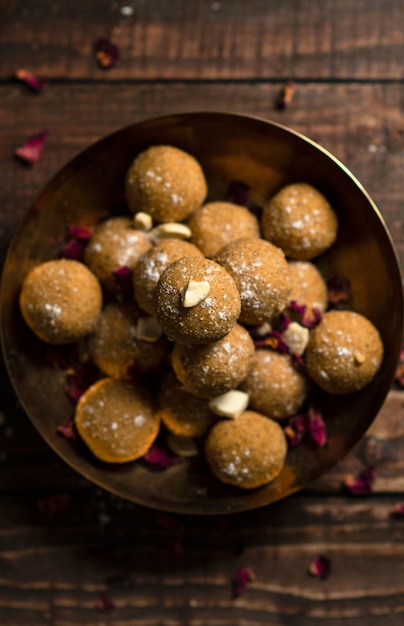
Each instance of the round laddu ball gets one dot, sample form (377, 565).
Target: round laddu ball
(116, 349)
(60, 301)
(165, 182)
(217, 223)
(152, 264)
(116, 420)
(209, 370)
(276, 388)
(114, 244)
(247, 452)
(181, 412)
(308, 286)
(300, 220)
(344, 352)
(262, 276)
(211, 316)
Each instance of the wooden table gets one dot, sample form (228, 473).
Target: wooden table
(65, 559)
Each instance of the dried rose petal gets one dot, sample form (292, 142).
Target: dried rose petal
(316, 427)
(31, 151)
(306, 425)
(29, 79)
(285, 96)
(320, 568)
(79, 236)
(159, 458)
(362, 484)
(82, 233)
(296, 307)
(298, 361)
(296, 429)
(67, 430)
(399, 373)
(398, 510)
(311, 318)
(106, 53)
(73, 249)
(77, 384)
(104, 602)
(284, 322)
(123, 282)
(272, 340)
(339, 290)
(241, 579)
(238, 193)
(54, 507)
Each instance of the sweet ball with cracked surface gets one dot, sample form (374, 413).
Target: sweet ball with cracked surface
(114, 244)
(246, 452)
(209, 370)
(116, 347)
(152, 264)
(275, 386)
(117, 420)
(165, 182)
(262, 276)
(197, 301)
(60, 301)
(344, 352)
(215, 224)
(300, 220)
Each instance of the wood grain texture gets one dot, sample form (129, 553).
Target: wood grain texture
(333, 39)
(64, 541)
(361, 124)
(179, 570)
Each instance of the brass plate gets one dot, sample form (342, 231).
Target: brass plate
(264, 155)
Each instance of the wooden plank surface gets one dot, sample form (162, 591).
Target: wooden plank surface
(203, 39)
(58, 555)
(179, 570)
(361, 124)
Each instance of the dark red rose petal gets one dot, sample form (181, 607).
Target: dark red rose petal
(398, 510)
(339, 290)
(77, 384)
(82, 233)
(284, 322)
(104, 602)
(311, 318)
(321, 567)
(241, 580)
(106, 53)
(54, 507)
(285, 96)
(309, 426)
(362, 484)
(296, 429)
(123, 282)
(67, 430)
(32, 149)
(274, 341)
(29, 79)
(159, 458)
(316, 427)
(73, 249)
(399, 373)
(296, 307)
